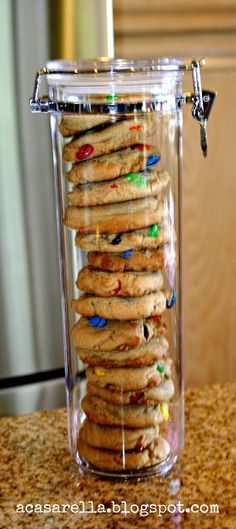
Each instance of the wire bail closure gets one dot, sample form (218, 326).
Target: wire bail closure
(202, 100)
(202, 104)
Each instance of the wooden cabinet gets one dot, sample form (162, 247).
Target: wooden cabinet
(147, 28)
(209, 199)
(203, 28)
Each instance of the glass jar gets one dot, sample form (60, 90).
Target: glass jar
(117, 148)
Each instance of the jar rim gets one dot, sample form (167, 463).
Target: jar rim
(106, 65)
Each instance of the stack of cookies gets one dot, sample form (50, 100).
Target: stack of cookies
(117, 207)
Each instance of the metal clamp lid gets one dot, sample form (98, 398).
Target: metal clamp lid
(202, 100)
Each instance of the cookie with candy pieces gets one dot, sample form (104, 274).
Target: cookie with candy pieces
(132, 416)
(112, 460)
(121, 308)
(121, 134)
(98, 334)
(130, 260)
(124, 379)
(118, 218)
(113, 165)
(124, 284)
(145, 355)
(163, 392)
(130, 187)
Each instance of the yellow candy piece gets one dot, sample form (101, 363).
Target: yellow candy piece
(165, 411)
(99, 372)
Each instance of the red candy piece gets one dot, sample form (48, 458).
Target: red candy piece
(116, 291)
(136, 397)
(113, 186)
(136, 127)
(141, 146)
(157, 318)
(84, 151)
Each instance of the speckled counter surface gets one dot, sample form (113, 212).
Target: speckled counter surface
(36, 468)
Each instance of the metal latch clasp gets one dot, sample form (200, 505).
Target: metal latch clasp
(202, 101)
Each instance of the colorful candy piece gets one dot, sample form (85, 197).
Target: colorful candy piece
(154, 231)
(152, 160)
(131, 176)
(96, 321)
(172, 302)
(137, 179)
(99, 372)
(142, 146)
(160, 368)
(146, 332)
(116, 291)
(127, 254)
(136, 397)
(111, 98)
(84, 151)
(90, 131)
(136, 127)
(102, 323)
(113, 186)
(117, 239)
(157, 317)
(165, 411)
(141, 181)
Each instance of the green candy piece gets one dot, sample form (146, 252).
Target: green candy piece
(90, 131)
(131, 176)
(154, 231)
(136, 179)
(112, 98)
(140, 181)
(160, 368)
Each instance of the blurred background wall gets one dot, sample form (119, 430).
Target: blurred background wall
(34, 31)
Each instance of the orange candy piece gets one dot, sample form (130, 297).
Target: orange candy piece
(136, 127)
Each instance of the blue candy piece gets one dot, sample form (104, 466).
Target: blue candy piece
(153, 159)
(102, 323)
(172, 302)
(94, 321)
(127, 254)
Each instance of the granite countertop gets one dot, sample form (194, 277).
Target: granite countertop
(37, 469)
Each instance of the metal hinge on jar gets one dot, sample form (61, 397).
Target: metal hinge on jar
(202, 101)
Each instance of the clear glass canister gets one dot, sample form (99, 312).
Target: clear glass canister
(116, 135)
